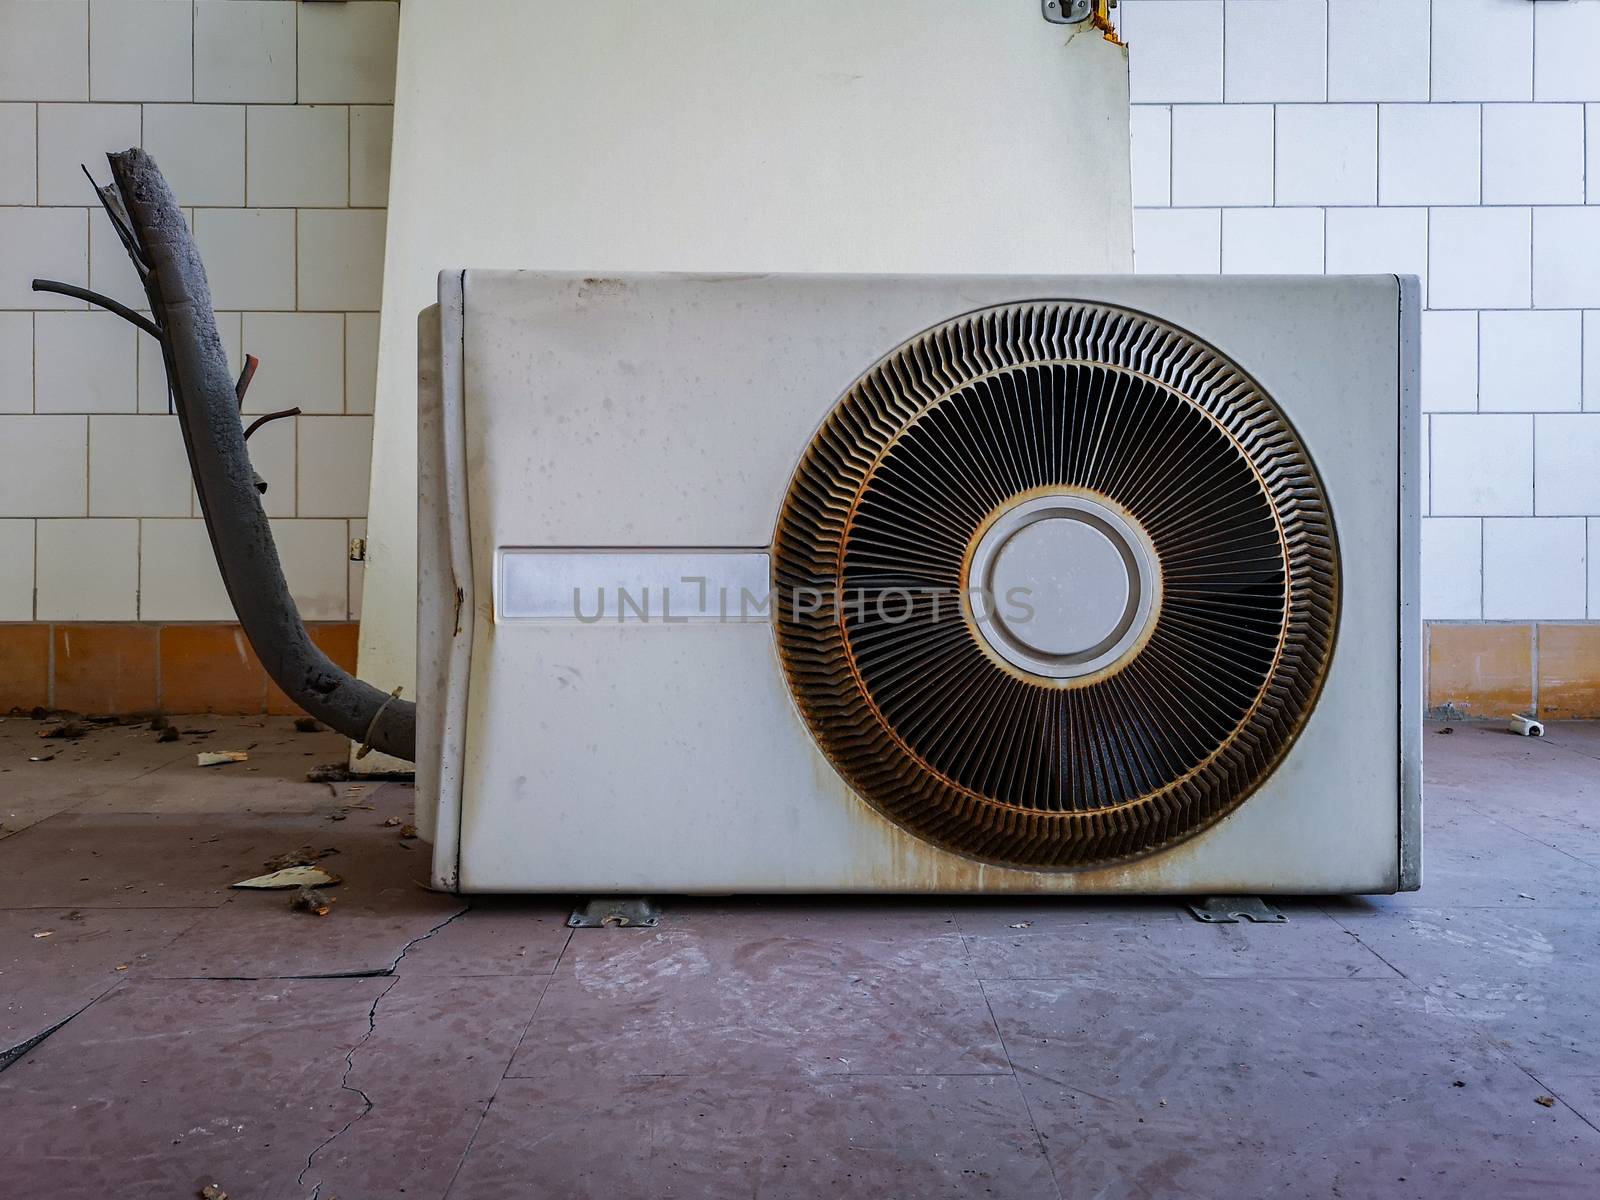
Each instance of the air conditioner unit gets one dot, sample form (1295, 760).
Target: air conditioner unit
(920, 584)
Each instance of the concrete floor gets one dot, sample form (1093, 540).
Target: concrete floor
(174, 1033)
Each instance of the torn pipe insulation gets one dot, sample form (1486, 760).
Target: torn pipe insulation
(152, 229)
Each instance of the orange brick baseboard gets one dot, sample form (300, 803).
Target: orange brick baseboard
(1472, 670)
(1494, 670)
(123, 669)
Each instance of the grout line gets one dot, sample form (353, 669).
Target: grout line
(1222, 59)
(1327, 51)
(1533, 666)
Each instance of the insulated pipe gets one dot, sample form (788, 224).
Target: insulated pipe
(163, 251)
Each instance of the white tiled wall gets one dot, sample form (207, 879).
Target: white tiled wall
(1455, 139)
(1458, 140)
(271, 121)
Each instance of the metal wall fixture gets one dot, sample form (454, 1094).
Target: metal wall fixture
(1067, 12)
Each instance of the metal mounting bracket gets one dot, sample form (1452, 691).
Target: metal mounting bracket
(1226, 910)
(614, 912)
(1067, 12)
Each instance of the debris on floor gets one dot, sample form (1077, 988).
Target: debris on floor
(213, 1191)
(312, 901)
(302, 876)
(1525, 726)
(328, 773)
(218, 758)
(302, 857)
(307, 725)
(408, 831)
(40, 757)
(44, 933)
(1545, 1101)
(167, 734)
(67, 729)
(391, 822)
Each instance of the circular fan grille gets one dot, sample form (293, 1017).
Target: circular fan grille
(1177, 568)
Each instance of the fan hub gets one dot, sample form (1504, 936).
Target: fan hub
(1061, 586)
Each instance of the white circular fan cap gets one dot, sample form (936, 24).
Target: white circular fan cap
(1061, 586)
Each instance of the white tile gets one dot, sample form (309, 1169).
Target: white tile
(1478, 258)
(44, 466)
(153, 374)
(1591, 156)
(1425, 483)
(1378, 49)
(299, 155)
(1222, 154)
(84, 362)
(137, 467)
(1566, 464)
(1533, 153)
(347, 52)
(244, 51)
(178, 577)
(341, 259)
(357, 571)
(51, 243)
(361, 363)
(1482, 464)
(16, 362)
(19, 154)
(1327, 154)
(302, 361)
(44, 49)
(1566, 257)
(1272, 241)
(1482, 50)
(1428, 154)
(1452, 569)
(200, 150)
(315, 557)
(1449, 361)
(1530, 361)
(110, 270)
(16, 581)
(335, 455)
(88, 570)
(1534, 570)
(371, 134)
(141, 50)
(1177, 241)
(1566, 60)
(1151, 136)
(1275, 50)
(249, 255)
(1378, 241)
(1591, 361)
(74, 136)
(272, 456)
(1593, 557)
(1174, 51)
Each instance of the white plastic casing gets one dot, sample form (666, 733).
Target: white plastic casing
(644, 429)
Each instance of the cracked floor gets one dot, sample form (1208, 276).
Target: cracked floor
(159, 1032)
